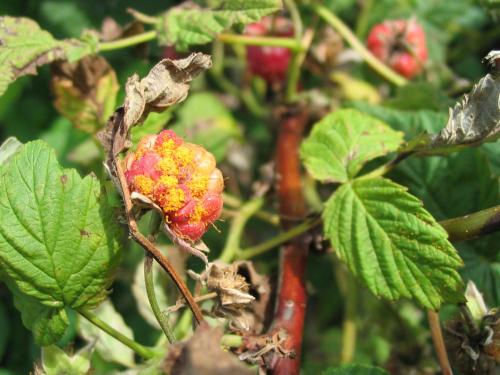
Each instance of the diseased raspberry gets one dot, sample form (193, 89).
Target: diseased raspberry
(270, 63)
(400, 44)
(179, 177)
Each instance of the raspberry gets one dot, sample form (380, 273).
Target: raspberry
(270, 63)
(179, 177)
(400, 44)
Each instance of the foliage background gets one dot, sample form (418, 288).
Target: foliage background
(460, 33)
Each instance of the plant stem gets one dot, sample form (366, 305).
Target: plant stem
(179, 305)
(141, 350)
(150, 290)
(232, 246)
(234, 202)
(472, 225)
(127, 42)
(358, 46)
(262, 41)
(279, 239)
(386, 168)
(349, 292)
(439, 345)
(291, 298)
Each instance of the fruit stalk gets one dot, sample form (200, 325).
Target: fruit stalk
(291, 300)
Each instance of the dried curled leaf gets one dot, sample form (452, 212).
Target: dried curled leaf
(233, 293)
(85, 92)
(166, 84)
(474, 120)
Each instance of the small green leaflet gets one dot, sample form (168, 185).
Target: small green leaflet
(56, 361)
(342, 142)
(392, 243)
(59, 242)
(186, 25)
(24, 47)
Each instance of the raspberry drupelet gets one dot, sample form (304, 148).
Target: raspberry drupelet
(179, 177)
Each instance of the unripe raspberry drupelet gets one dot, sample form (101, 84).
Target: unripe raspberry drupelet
(180, 178)
(400, 44)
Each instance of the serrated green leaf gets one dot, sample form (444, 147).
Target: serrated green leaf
(56, 361)
(187, 25)
(450, 186)
(24, 47)
(205, 120)
(392, 243)
(59, 242)
(47, 324)
(355, 369)
(108, 347)
(8, 149)
(342, 142)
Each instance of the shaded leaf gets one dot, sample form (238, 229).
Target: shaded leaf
(355, 369)
(56, 361)
(60, 243)
(47, 324)
(85, 92)
(189, 24)
(24, 47)
(450, 186)
(153, 124)
(392, 243)
(108, 347)
(342, 142)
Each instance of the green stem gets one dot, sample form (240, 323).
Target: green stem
(279, 239)
(127, 42)
(150, 290)
(184, 324)
(234, 202)
(356, 44)
(349, 291)
(232, 247)
(262, 41)
(141, 350)
(472, 225)
(363, 18)
(383, 169)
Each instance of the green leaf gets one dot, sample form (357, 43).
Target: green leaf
(342, 142)
(451, 186)
(412, 123)
(8, 149)
(392, 243)
(485, 274)
(60, 243)
(205, 120)
(108, 347)
(56, 361)
(47, 324)
(186, 25)
(355, 369)
(25, 47)
(85, 92)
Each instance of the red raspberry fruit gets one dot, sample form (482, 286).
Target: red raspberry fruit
(180, 178)
(270, 63)
(400, 44)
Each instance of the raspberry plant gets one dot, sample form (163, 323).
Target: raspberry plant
(142, 210)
